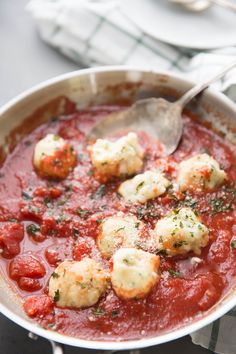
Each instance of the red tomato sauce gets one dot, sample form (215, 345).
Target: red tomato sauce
(44, 222)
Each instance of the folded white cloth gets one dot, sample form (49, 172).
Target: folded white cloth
(96, 32)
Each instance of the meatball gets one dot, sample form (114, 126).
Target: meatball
(120, 231)
(200, 171)
(54, 157)
(143, 187)
(181, 231)
(119, 158)
(78, 284)
(134, 273)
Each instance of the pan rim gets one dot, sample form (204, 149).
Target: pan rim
(219, 310)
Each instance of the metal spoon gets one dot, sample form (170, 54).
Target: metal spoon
(193, 5)
(156, 116)
(201, 5)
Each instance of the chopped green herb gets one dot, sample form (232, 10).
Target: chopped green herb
(139, 186)
(141, 212)
(190, 202)
(217, 205)
(114, 313)
(174, 273)
(62, 218)
(51, 325)
(28, 143)
(26, 196)
(233, 244)
(68, 188)
(101, 191)
(147, 211)
(47, 201)
(75, 232)
(137, 225)
(103, 207)
(56, 295)
(82, 213)
(120, 229)
(53, 232)
(82, 285)
(126, 261)
(55, 275)
(172, 196)
(13, 220)
(62, 201)
(32, 229)
(205, 150)
(99, 221)
(179, 244)
(98, 311)
(33, 209)
(163, 252)
(224, 200)
(118, 196)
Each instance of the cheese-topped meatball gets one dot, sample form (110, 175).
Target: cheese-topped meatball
(181, 231)
(119, 158)
(120, 231)
(143, 187)
(134, 273)
(78, 284)
(200, 171)
(54, 157)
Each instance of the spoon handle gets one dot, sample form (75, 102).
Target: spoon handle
(189, 95)
(224, 3)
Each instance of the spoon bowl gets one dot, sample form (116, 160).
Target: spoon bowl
(156, 116)
(201, 5)
(194, 5)
(152, 115)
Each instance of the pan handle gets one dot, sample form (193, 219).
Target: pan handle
(57, 348)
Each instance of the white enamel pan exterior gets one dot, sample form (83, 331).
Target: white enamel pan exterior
(99, 85)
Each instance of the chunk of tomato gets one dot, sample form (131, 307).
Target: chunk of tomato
(52, 256)
(38, 305)
(56, 227)
(29, 284)
(11, 234)
(26, 265)
(51, 192)
(81, 250)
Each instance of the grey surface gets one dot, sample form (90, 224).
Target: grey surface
(14, 340)
(26, 61)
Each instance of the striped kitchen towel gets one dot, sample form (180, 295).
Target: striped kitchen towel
(97, 32)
